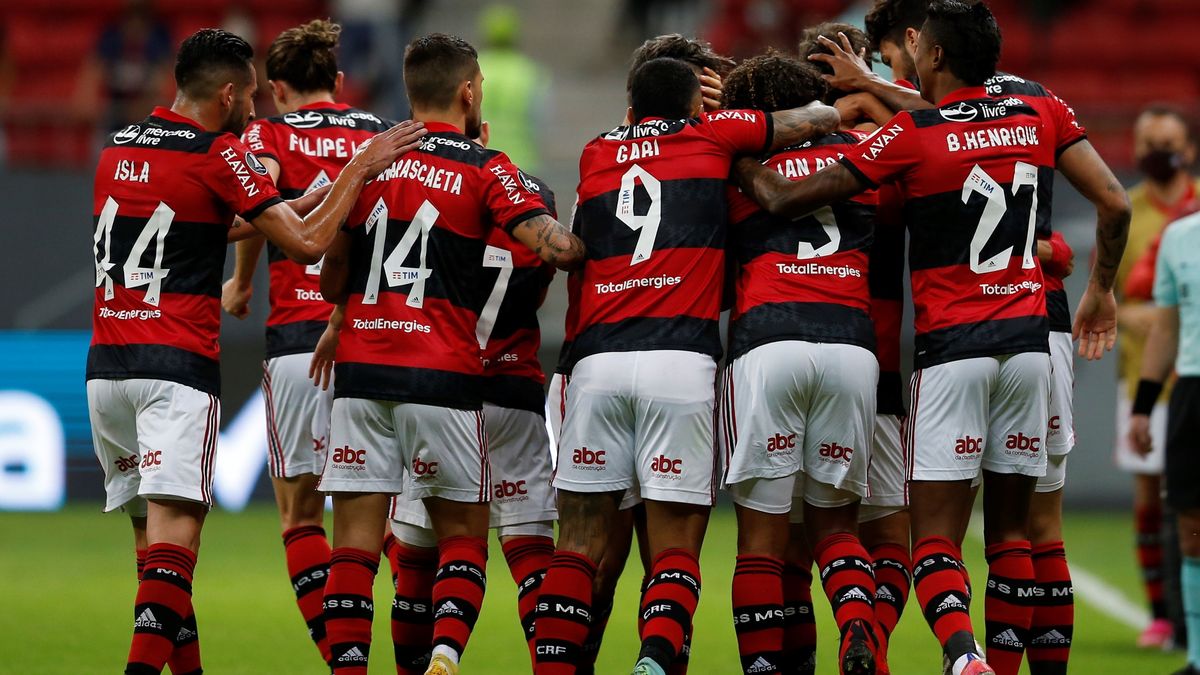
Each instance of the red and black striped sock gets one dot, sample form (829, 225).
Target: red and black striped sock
(458, 590)
(799, 624)
(564, 611)
(849, 583)
(1049, 645)
(758, 612)
(164, 598)
(349, 608)
(412, 607)
(527, 558)
(307, 552)
(591, 646)
(668, 605)
(941, 588)
(1148, 523)
(680, 665)
(390, 542)
(185, 658)
(141, 561)
(891, 563)
(1008, 604)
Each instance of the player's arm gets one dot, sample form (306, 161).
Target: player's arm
(1056, 256)
(305, 241)
(335, 270)
(1096, 316)
(851, 73)
(793, 199)
(860, 108)
(236, 292)
(551, 240)
(320, 369)
(1162, 346)
(800, 124)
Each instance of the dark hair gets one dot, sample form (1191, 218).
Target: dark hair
(1163, 109)
(969, 38)
(304, 56)
(890, 19)
(675, 46)
(663, 88)
(209, 58)
(809, 45)
(771, 82)
(434, 66)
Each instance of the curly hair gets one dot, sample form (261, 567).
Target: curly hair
(771, 82)
(889, 19)
(304, 56)
(698, 53)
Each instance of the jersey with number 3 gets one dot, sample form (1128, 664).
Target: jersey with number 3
(653, 214)
(419, 233)
(311, 145)
(166, 192)
(969, 172)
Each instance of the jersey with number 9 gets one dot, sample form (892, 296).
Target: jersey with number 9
(653, 214)
(972, 174)
(166, 192)
(419, 235)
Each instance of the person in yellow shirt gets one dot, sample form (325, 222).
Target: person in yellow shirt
(1165, 150)
(517, 103)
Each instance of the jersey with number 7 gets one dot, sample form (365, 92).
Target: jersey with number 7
(653, 214)
(974, 174)
(418, 238)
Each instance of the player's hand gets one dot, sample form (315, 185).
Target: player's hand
(320, 369)
(1139, 434)
(485, 133)
(849, 68)
(1095, 322)
(711, 90)
(235, 298)
(382, 150)
(852, 109)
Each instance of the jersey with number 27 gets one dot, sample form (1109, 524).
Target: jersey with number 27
(419, 233)
(969, 173)
(166, 192)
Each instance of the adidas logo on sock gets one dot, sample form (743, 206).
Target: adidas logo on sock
(1051, 637)
(855, 593)
(448, 608)
(1008, 639)
(882, 593)
(147, 620)
(185, 634)
(762, 665)
(352, 655)
(951, 602)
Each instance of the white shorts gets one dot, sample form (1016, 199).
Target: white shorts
(886, 471)
(1056, 474)
(297, 417)
(988, 412)
(1126, 457)
(519, 451)
(641, 419)
(154, 439)
(1060, 435)
(556, 410)
(375, 443)
(788, 494)
(799, 406)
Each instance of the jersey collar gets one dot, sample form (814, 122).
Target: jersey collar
(325, 105)
(172, 116)
(964, 94)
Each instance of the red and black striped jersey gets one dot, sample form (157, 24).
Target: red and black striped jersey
(311, 146)
(419, 233)
(970, 172)
(1057, 112)
(653, 214)
(803, 278)
(516, 280)
(166, 192)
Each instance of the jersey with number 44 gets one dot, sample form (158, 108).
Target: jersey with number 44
(166, 192)
(419, 235)
(969, 172)
(653, 214)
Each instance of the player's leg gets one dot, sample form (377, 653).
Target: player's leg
(415, 562)
(292, 403)
(757, 590)
(883, 525)
(946, 435)
(608, 573)
(799, 624)
(675, 532)
(1013, 460)
(1183, 496)
(361, 478)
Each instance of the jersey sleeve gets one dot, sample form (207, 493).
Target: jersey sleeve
(1067, 129)
(238, 179)
(509, 195)
(259, 136)
(1166, 293)
(887, 154)
(740, 132)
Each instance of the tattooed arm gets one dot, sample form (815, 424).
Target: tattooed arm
(793, 199)
(800, 124)
(1096, 317)
(551, 240)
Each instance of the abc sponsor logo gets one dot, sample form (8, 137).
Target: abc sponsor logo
(665, 467)
(1020, 443)
(967, 448)
(126, 463)
(423, 469)
(152, 460)
(781, 444)
(508, 490)
(587, 459)
(835, 452)
(347, 457)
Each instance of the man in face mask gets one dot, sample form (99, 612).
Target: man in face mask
(1165, 150)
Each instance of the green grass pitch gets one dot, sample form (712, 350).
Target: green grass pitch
(67, 585)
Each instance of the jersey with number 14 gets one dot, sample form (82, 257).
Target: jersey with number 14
(311, 145)
(970, 172)
(166, 192)
(653, 213)
(419, 234)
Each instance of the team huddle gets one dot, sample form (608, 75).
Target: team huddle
(407, 266)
